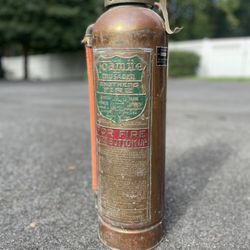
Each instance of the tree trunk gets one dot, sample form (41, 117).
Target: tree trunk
(1, 66)
(26, 61)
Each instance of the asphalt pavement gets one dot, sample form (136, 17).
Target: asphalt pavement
(46, 200)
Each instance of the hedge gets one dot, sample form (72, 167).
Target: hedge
(183, 63)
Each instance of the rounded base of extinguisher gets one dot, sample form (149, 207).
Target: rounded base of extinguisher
(122, 239)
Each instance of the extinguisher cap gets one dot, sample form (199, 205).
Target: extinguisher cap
(112, 2)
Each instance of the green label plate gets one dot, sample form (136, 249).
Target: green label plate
(120, 91)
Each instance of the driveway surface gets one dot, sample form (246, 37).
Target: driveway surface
(45, 189)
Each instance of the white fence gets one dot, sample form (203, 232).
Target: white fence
(219, 58)
(46, 67)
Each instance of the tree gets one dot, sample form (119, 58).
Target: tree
(243, 15)
(192, 15)
(206, 18)
(1, 55)
(45, 25)
(2, 43)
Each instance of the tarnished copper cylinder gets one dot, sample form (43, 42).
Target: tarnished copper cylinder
(130, 59)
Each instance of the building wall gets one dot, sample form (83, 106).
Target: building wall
(219, 58)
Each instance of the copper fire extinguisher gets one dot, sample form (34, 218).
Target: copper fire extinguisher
(129, 48)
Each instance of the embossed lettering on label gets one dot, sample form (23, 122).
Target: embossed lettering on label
(120, 94)
(123, 100)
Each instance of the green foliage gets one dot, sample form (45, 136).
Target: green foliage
(228, 7)
(209, 18)
(58, 25)
(193, 16)
(183, 63)
(243, 15)
(45, 25)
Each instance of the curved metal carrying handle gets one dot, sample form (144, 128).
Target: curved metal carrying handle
(162, 5)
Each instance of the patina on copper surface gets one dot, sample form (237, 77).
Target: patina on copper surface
(130, 44)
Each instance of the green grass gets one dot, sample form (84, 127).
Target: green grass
(217, 79)
(227, 79)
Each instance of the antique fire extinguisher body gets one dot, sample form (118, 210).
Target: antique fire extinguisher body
(130, 73)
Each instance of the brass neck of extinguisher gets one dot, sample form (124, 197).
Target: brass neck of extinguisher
(161, 5)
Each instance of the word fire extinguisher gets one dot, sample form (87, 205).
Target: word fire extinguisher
(127, 59)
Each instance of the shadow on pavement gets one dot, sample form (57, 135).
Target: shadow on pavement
(188, 175)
